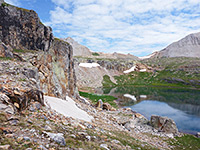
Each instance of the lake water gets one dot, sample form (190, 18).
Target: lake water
(181, 105)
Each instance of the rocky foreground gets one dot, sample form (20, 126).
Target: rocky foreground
(40, 127)
(27, 123)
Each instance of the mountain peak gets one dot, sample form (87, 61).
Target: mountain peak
(78, 49)
(188, 46)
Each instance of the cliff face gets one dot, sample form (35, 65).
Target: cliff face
(22, 29)
(1, 1)
(56, 70)
(40, 58)
(186, 47)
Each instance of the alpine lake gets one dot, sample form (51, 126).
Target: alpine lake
(181, 105)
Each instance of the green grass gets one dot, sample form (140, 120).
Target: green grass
(127, 140)
(18, 8)
(57, 39)
(107, 82)
(19, 50)
(4, 4)
(22, 80)
(95, 97)
(155, 79)
(5, 58)
(95, 54)
(187, 142)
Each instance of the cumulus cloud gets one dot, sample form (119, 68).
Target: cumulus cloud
(13, 2)
(130, 26)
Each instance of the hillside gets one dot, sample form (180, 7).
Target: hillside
(78, 49)
(189, 46)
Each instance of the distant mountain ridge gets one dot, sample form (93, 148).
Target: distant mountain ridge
(189, 46)
(78, 49)
(81, 50)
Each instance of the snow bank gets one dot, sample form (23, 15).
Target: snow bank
(89, 65)
(130, 70)
(143, 70)
(143, 96)
(130, 96)
(67, 107)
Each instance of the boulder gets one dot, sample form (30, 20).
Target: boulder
(163, 124)
(104, 146)
(4, 98)
(21, 99)
(5, 50)
(107, 106)
(5, 147)
(5, 104)
(99, 104)
(137, 120)
(198, 134)
(56, 137)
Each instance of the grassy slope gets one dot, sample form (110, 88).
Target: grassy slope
(185, 69)
(187, 142)
(95, 97)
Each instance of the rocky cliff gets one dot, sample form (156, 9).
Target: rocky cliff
(1, 1)
(38, 56)
(22, 29)
(186, 47)
(93, 77)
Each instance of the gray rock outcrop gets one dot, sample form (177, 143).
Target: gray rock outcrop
(51, 58)
(163, 124)
(5, 50)
(186, 47)
(22, 29)
(56, 68)
(57, 137)
(1, 1)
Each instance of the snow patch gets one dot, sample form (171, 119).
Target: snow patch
(143, 96)
(143, 70)
(67, 107)
(130, 70)
(89, 65)
(130, 96)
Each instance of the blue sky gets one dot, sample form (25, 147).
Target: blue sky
(139, 27)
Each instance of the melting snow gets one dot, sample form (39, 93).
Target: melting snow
(130, 70)
(143, 96)
(89, 65)
(130, 96)
(67, 107)
(143, 70)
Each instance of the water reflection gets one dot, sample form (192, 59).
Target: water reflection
(185, 122)
(182, 105)
(187, 108)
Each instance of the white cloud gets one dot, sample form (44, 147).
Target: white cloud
(13, 2)
(132, 26)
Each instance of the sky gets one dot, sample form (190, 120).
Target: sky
(138, 27)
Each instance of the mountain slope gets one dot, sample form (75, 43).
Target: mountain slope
(186, 47)
(79, 50)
